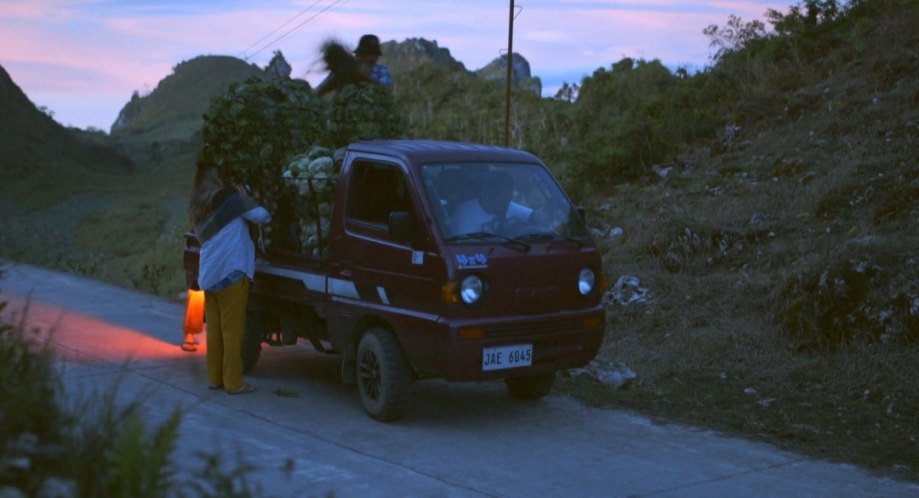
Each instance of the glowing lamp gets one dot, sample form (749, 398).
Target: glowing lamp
(469, 333)
(591, 322)
(449, 292)
(194, 312)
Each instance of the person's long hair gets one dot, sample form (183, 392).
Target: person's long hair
(207, 183)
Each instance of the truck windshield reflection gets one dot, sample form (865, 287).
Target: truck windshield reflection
(511, 202)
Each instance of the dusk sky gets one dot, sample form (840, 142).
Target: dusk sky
(82, 59)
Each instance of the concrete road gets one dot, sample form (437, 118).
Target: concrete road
(309, 436)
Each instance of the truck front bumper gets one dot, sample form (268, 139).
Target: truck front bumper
(560, 341)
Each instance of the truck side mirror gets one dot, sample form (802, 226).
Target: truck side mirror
(582, 213)
(401, 227)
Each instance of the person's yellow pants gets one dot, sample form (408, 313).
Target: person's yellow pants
(226, 324)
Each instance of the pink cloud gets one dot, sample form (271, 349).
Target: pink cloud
(38, 10)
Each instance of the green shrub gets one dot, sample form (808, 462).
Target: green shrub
(362, 112)
(30, 420)
(629, 119)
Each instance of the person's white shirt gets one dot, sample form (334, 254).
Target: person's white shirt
(470, 217)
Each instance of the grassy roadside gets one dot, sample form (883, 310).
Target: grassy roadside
(53, 445)
(126, 229)
(782, 288)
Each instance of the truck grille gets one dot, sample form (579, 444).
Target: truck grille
(534, 328)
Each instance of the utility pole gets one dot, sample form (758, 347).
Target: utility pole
(507, 85)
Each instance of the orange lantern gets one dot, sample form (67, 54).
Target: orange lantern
(194, 312)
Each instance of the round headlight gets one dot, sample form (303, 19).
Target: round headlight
(586, 281)
(471, 289)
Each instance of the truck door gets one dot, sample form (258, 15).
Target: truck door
(398, 280)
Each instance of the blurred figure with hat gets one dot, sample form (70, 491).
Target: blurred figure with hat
(367, 53)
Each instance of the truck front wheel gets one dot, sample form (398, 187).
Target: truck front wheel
(531, 386)
(383, 377)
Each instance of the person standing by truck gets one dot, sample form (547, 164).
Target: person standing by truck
(220, 213)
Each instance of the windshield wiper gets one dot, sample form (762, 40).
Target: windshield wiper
(487, 235)
(549, 235)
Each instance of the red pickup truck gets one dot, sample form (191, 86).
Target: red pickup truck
(448, 260)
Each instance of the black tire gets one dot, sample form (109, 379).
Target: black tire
(530, 387)
(383, 377)
(252, 341)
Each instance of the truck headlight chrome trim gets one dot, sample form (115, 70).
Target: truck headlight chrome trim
(472, 288)
(587, 279)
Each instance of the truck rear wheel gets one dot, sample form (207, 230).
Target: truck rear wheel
(383, 377)
(531, 386)
(252, 340)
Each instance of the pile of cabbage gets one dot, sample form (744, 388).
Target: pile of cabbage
(312, 179)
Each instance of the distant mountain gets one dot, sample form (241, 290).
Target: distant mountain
(520, 73)
(404, 57)
(32, 142)
(173, 110)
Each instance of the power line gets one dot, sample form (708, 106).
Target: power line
(275, 30)
(296, 28)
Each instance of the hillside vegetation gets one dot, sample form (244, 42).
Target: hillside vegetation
(760, 220)
(777, 256)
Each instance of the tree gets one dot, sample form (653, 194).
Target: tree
(734, 36)
(568, 93)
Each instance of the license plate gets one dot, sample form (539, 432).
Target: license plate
(519, 355)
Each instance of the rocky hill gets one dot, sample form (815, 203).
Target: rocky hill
(33, 143)
(172, 111)
(407, 56)
(520, 73)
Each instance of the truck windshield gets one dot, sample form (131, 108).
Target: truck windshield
(501, 201)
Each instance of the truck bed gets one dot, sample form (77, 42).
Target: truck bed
(294, 276)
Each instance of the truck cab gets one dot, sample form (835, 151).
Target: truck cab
(449, 260)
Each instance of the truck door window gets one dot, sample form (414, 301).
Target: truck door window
(376, 190)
